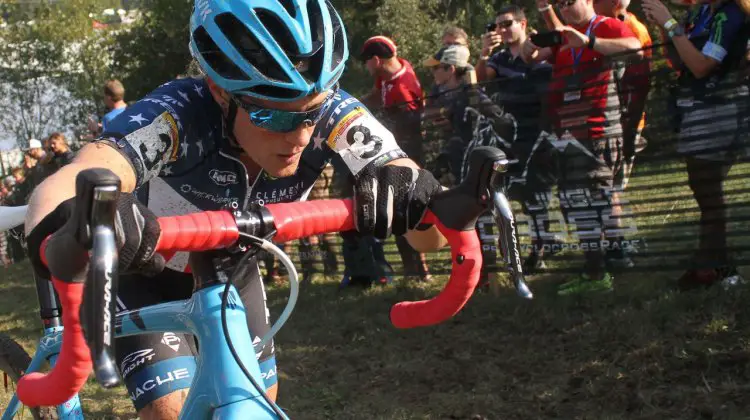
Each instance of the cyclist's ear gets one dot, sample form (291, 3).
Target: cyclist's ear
(220, 95)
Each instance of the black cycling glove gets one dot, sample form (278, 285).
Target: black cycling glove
(391, 199)
(137, 232)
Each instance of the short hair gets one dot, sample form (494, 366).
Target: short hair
(17, 170)
(59, 136)
(457, 33)
(115, 90)
(514, 10)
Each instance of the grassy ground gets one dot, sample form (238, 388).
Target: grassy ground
(642, 352)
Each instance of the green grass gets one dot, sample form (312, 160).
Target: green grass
(642, 352)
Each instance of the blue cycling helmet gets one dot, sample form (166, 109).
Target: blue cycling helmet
(281, 50)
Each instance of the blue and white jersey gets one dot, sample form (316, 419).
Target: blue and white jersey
(184, 161)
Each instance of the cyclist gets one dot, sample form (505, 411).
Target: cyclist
(259, 126)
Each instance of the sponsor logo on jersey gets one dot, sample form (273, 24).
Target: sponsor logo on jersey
(222, 178)
(343, 125)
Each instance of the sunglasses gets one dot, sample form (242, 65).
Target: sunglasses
(280, 121)
(504, 24)
(565, 3)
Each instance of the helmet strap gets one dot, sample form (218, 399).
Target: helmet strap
(230, 118)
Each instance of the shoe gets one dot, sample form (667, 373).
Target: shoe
(726, 276)
(583, 284)
(618, 259)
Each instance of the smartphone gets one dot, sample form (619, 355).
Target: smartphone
(490, 27)
(547, 39)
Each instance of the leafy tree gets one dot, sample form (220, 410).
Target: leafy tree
(51, 56)
(155, 49)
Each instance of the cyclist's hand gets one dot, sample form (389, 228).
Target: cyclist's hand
(391, 199)
(137, 232)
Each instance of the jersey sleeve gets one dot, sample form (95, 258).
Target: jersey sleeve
(726, 24)
(149, 132)
(353, 133)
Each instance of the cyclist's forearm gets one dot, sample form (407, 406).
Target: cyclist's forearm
(60, 186)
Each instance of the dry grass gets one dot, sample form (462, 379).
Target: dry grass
(642, 352)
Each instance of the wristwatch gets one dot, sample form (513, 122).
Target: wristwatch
(592, 41)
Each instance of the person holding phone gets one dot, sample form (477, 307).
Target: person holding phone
(584, 110)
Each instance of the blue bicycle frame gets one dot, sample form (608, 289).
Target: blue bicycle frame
(219, 388)
(48, 349)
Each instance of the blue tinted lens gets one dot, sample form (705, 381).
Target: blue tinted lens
(283, 121)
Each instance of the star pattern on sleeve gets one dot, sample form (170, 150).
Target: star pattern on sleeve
(198, 90)
(138, 118)
(184, 146)
(318, 140)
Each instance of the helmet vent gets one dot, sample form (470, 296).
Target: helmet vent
(289, 6)
(215, 58)
(248, 46)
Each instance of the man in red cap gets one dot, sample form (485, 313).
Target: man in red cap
(395, 81)
(398, 92)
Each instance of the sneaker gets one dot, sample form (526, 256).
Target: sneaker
(727, 277)
(618, 259)
(583, 284)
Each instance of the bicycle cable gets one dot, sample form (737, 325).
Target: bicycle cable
(239, 271)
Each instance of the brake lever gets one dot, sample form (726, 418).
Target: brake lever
(503, 215)
(97, 193)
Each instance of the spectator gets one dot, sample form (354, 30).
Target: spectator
(709, 45)
(398, 92)
(633, 85)
(453, 35)
(114, 100)
(36, 150)
(62, 155)
(585, 111)
(448, 68)
(518, 89)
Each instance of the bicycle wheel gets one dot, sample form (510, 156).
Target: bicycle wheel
(13, 363)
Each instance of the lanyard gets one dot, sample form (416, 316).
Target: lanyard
(577, 57)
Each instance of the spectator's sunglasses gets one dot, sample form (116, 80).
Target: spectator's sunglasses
(504, 24)
(565, 3)
(280, 121)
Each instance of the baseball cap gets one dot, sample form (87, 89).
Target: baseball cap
(35, 144)
(454, 55)
(380, 46)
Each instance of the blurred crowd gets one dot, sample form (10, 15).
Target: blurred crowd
(568, 103)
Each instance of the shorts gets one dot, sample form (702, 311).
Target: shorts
(590, 166)
(709, 131)
(154, 365)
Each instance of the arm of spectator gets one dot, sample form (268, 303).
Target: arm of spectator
(61, 185)
(490, 41)
(533, 54)
(724, 29)
(605, 46)
(548, 14)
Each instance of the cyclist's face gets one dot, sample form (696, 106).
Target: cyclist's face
(276, 153)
